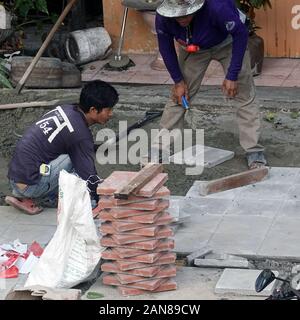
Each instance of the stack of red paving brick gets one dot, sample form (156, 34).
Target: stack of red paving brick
(137, 236)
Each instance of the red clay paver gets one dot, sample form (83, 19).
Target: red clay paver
(112, 254)
(148, 272)
(163, 192)
(164, 245)
(167, 286)
(118, 179)
(164, 272)
(119, 226)
(148, 285)
(145, 205)
(166, 258)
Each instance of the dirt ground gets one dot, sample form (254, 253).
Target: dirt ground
(280, 134)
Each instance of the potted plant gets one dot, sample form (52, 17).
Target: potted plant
(256, 43)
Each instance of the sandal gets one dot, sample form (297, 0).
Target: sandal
(25, 205)
(256, 160)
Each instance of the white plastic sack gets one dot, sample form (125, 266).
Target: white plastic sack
(74, 251)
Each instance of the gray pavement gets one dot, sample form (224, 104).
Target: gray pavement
(259, 220)
(255, 221)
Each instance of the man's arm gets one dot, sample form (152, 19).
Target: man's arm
(228, 19)
(167, 49)
(168, 52)
(82, 158)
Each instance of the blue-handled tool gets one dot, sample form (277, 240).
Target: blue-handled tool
(185, 103)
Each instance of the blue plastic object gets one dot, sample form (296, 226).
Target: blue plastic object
(185, 103)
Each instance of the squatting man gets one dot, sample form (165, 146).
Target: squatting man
(60, 140)
(208, 30)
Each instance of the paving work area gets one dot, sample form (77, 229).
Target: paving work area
(257, 222)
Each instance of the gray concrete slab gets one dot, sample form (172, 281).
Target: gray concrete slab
(222, 263)
(7, 215)
(240, 234)
(267, 191)
(195, 233)
(6, 285)
(48, 217)
(194, 193)
(242, 282)
(290, 208)
(254, 207)
(282, 240)
(192, 284)
(205, 205)
(211, 156)
(27, 233)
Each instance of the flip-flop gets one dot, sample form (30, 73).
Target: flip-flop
(25, 205)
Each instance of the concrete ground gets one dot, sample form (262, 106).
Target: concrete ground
(258, 221)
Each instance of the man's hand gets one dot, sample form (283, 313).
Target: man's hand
(230, 88)
(179, 90)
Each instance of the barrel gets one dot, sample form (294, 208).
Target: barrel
(83, 46)
(46, 74)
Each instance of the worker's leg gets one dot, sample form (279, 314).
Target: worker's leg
(193, 67)
(47, 188)
(248, 116)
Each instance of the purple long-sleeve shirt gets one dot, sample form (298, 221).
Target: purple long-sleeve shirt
(63, 130)
(211, 25)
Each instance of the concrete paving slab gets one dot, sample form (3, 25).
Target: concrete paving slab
(290, 208)
(240, 234)
(6, 285)
(281, 175)
(7, 215)
(242, 282)
(206, 205)
(48, 217)
(212, 156)
(260, 191)
(194, 193)
(222, 263)
(188, 242)
(192, 284)
(27, 233)
(294, 192)
(253, 207)
(282, 240)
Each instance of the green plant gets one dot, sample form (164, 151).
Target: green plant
(249, 7)
(4, 73)
(21, 8)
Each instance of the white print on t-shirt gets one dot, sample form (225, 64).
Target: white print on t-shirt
(60, 122)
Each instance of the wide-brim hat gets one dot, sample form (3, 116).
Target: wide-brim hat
(179, 8)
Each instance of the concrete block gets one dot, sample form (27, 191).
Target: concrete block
(242, 282)
(211, 156)
(222, 263)
(197, 254)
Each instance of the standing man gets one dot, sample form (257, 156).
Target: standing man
(209, 30)
(60, 140)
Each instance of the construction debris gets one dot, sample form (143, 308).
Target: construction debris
(136, 234)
